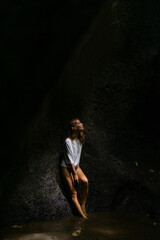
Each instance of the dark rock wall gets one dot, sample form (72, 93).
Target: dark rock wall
(37, 40)
(111, 82)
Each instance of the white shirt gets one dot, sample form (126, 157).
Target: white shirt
(72, 152)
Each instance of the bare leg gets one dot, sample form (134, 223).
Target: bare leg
(69, 181)
(84, 188)
(84, 193)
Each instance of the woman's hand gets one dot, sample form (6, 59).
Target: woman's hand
(76, 178)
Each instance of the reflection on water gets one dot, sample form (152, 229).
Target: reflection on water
(116, 225)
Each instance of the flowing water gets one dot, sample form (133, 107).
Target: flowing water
(116, 225)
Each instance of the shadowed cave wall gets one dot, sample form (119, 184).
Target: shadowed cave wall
(98, 63)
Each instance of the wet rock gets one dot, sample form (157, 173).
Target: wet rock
(110, 82)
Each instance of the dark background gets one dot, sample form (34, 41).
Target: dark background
(38, 38)
(99, 61)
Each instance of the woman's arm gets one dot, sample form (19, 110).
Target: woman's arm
(70, 155)
(73, 169)
(75, 176)
(69, 152)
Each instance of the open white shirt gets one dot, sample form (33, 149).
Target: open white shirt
(72, 152)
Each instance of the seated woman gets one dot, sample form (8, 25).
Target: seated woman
(72, 174)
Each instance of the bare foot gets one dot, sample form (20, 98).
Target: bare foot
(84, 211)
(84, 216)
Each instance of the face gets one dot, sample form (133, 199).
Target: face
(78, 125)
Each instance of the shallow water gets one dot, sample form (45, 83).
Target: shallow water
(116, 225)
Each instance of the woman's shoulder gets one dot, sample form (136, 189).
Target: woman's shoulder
(68, 140)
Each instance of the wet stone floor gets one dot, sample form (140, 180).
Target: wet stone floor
(116, 225)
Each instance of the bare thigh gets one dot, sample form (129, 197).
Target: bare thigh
(82, 177)
(68, 179)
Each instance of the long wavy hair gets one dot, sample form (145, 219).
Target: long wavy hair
(70, 132)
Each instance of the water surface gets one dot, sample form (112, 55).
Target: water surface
(116, 225)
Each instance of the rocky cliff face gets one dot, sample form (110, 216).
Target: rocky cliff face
(110, 82)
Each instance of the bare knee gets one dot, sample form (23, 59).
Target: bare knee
(74, 195)
(85, 181)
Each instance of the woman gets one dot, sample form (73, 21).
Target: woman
(71, 172)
